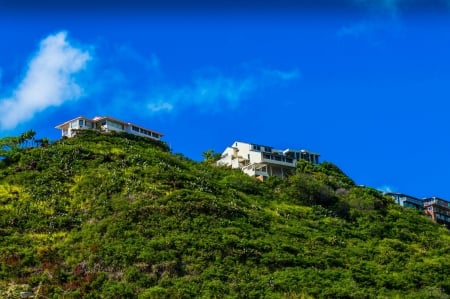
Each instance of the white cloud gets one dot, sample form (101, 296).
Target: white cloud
(386, 189)
(49, 81)
(160, 106)
(213, 92)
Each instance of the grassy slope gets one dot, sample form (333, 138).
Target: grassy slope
(119, 217)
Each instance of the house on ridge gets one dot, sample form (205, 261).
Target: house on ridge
(263, 161)
(406, 200)
(104, 124)
(438, 209)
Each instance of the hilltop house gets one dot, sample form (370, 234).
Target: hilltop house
(438, 209)
(105, 124)
(406, 200)
(263, 161)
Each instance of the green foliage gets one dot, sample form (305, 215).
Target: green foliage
(118, 216)
(210, 156)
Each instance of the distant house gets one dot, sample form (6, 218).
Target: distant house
(105, 124)
(263, 161)
(407, 200)
(438, 209)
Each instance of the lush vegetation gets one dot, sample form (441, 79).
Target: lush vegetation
(117, 216)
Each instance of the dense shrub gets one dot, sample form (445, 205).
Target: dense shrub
(118, 216)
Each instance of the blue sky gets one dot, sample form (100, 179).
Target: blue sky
(364, 83)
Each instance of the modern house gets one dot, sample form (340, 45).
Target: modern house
(105, 124)
(406, 200)
(438, 209)
(263, 161)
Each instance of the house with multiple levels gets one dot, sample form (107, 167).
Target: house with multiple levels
(406, 200)
(104, 124)
(256, 160)
(262, 161)
(438, 209)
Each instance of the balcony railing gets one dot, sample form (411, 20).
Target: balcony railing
(411, 200)
(437, 202)
(280, 162)
(253, 172)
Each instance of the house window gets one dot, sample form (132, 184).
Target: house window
(256, 147)
(80, 122)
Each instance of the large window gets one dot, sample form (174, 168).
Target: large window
(115, 125)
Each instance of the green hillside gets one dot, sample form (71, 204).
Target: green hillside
(117, 216)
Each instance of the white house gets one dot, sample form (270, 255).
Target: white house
(263, 161)
(105, 124)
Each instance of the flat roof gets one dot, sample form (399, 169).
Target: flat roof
(100, 118)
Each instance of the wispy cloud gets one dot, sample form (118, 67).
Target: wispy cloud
(214, 92)
(382, 17)
(386, 188)
(120, 78)
(370, 29)
(48, 81)
(386, 7)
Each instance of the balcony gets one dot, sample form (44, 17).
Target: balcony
(437, 202)
(411, 200)
(256, 169)
(279, 160)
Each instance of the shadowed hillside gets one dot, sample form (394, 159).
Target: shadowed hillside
(118, 216)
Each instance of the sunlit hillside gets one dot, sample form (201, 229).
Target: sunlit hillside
(117, 216)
